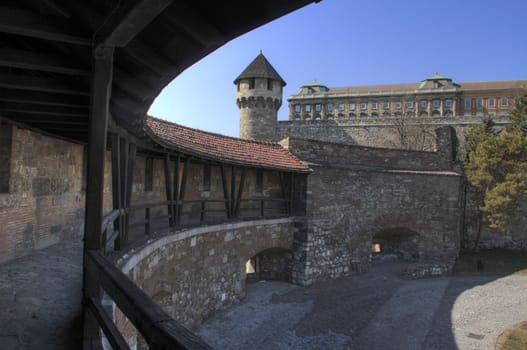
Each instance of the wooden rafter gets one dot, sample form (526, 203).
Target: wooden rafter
(127, 21)
(15, 58)
(42, 84)
(43, 98)
(168, 190)
(25, 23)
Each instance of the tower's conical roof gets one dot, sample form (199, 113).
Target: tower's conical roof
(260, 68)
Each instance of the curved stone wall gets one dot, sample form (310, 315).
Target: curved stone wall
(196, 272)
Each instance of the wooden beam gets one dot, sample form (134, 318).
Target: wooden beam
(98, 124)
(111, 332)
(116, 186)
(159, 329)
(233, 191)
(175, 193)
(168, 190)
(43, 99)
(128, 20)
(240, 192)
(183, 187)
(132, 151)
(31, 83)
(192, 23)
(145, 56)
(49, 110)
(14, 58)
(51, 120)
(225, 191)
(25, 23)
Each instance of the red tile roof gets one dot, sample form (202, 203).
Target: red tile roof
(222, 148)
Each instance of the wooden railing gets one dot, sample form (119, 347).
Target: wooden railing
(158, 329)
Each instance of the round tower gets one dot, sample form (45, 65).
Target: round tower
(259, 96)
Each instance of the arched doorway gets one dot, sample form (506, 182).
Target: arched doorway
(274, 264)
(400, 243)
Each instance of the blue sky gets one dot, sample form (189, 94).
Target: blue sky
(356, 42)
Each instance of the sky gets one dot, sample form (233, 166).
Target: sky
(354, 43)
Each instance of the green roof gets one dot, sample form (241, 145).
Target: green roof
(438, 77)
(322, 88)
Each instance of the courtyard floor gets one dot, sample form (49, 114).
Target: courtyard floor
(375, 310)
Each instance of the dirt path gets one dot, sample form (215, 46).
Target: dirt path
(376, 310)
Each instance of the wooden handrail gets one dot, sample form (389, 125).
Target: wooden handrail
(159, 330)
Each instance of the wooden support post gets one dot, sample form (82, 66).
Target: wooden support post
(182, 189)
(168, 190)
(97, 130)
(116, 187)
(202, 215)
(175, 194)
(291, 193)
(262, 208)
(132, 150)
(233, 192)
(225, 192)
(147, 221)
(240, 191)
(123, 146)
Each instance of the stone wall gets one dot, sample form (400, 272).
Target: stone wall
(45, 199)
(377, 132)
(354, 194)
(194, 273)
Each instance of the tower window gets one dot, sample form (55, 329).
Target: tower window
(269, 84)
(252, 83)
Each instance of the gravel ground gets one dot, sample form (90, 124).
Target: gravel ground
(376, 310)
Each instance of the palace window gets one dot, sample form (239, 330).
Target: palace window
(504, 102)
(386, 105)
(318, 107)
(374, 105)
(341, 106)
(479, 103)
(307, 108)
(352, 106)
(6, 134)
(436, 103)
(330, 107)
(310, 90)
(448, 103)
(297, 108)
(363, 105)
(468, 103)
(410, 104)
(492, 102)
(423, 103)
(353, 115)
(398, 105)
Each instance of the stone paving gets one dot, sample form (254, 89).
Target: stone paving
(376, 310)
(40, 300)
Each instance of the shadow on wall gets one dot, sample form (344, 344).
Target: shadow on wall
(397, 242)
(274, 264)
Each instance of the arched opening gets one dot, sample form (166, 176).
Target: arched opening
(400, 243)
(274, 264)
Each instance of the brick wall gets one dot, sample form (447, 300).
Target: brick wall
(45, 200)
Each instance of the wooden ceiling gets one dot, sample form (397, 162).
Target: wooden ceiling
(46, 53)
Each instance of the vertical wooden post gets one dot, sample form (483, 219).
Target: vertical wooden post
(175, 194)
(147, 221)
(202, 215)
(116, 187)
(233, 192)
(240, 191)
(123, 166)
(225, 191)
(132, 149)
(168, 190)
(183, 187)
(97, 130)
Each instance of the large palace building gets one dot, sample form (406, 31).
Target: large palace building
(437, 96)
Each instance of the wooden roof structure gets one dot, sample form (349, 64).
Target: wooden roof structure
(46, 53)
